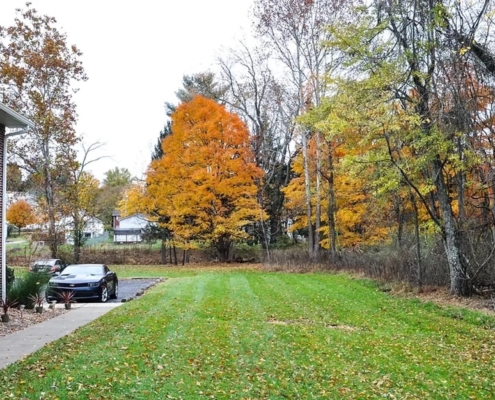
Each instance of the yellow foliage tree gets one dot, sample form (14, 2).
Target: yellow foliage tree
(133, 200)
(357, 218)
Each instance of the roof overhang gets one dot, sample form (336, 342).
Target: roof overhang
(11, 119)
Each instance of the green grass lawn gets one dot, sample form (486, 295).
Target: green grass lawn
(17, 243)
(241, 334)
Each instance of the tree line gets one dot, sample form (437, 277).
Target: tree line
(348, 123)
(372, 124)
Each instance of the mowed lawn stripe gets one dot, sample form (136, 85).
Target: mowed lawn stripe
(251, 335)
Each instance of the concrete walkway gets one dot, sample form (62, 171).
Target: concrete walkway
(19, 344)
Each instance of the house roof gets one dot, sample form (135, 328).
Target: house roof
(12, 119)
(138, 215)
(93, 218)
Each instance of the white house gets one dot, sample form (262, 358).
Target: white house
(94, 228)
(128, 229)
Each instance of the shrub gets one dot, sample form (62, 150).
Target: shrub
(245, 252)
(10, 276)
(66, 253)
(283, 242)
(386, 262)
(30, 285)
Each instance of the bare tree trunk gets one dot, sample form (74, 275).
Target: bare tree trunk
(266, 241)
(224, 249)
(52, 226)
(458, 271)
(419, 262)
(163, 252)
(332, 231)
(77, 236)
(316, 250)
(307, 191)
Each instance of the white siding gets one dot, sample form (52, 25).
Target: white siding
(129, 228)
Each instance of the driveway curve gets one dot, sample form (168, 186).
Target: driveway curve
(134, 287)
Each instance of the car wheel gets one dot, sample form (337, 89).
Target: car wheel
(104, 294)
(115, 290)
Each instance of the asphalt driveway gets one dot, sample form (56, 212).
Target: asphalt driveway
(132, 288)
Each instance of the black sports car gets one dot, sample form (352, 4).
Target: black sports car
(86, 281)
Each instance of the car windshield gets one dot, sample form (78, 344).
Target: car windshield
(83, 270)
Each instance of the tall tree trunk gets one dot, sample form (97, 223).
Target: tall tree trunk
(400, 220)
(224, 249)
(163, 252)
(461, 179)
(175, 253)
(419, 262)
(332, 234)
(458, 270)
(316, 250)
(52, 225)
(77, 238)
(307, 191)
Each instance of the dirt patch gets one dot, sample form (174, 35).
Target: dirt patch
(346, 328)
(299, 321)
(303, 322)
(277, 322)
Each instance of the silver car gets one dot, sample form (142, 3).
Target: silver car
(49, 266)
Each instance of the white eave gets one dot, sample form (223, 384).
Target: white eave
(11, 119)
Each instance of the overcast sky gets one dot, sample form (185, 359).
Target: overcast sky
(135, 54)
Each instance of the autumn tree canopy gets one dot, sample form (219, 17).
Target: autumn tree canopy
(38, 69)
(203, 84)
(81, 196)
(423, 107)
(20, 214)
(206, 181)
(116, 181)
(295, 31)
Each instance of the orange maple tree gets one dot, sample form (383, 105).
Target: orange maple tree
(20, 214)
(205, 183)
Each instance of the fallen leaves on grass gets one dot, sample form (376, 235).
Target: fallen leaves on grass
(302, 321)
